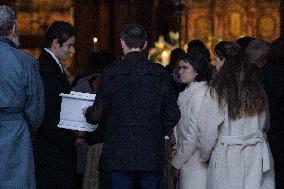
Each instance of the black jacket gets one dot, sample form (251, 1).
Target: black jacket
(137, 102)
(54, 149)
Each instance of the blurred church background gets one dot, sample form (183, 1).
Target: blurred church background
(208, 20)
(215, 20)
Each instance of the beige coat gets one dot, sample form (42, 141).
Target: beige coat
(192, 172)
(241, 157)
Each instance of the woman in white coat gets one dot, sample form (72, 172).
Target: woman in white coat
(232, 131)
(194, 71)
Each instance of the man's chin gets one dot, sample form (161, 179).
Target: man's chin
(63, 58)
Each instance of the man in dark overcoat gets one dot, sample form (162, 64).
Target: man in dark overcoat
(54, 149)
(137, 102)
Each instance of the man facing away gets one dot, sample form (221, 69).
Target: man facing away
(138, 103)
(21, 107)
(54, 149)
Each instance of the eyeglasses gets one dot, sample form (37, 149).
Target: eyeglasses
(182, 68)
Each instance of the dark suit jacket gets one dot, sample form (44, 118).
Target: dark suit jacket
(55, 153)
(274, 85)
(138, 102)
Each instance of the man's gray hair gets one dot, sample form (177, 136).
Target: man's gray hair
(257, 52)
(7, 20)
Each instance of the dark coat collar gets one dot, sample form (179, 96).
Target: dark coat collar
(44, 53)
(48, 56)
(135, 56)
(6, 40)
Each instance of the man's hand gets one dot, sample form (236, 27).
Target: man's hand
(80, 141)
(79, 133)
(80, 137)
(84, 111)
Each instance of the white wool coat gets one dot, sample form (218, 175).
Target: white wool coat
(187, 159)
(240, 154)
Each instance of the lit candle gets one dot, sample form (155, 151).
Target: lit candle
(95, 45)
(165, 57)
(95, 40)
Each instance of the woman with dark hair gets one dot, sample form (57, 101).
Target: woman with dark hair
(244, 42)
(197, 46)
(233, 126)
(193, 71)
(174, 59)
(175, 56)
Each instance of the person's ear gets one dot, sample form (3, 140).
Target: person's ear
(55, 44)
(14, 29)
(122, 43)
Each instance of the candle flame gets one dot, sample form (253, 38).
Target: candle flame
(95, 40)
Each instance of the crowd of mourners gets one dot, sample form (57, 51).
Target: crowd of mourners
(222, 111)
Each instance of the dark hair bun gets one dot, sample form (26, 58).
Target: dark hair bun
(232, 49)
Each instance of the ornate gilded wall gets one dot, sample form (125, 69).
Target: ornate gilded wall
(209, 20)
(215, 20)
(34, 17)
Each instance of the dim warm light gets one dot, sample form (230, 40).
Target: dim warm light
(165, 57)
(95, 40)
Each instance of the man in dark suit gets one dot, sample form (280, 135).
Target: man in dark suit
(54, 149)
(137, 102)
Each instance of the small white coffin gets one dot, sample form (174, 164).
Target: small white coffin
(71, 115)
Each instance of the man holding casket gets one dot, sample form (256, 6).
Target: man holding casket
(54, 149)
(137, 102)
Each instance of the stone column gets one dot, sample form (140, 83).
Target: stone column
(85, 23)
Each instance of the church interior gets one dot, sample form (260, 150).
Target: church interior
(99, 22)
(169, 24)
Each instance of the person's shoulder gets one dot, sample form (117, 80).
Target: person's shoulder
(46, 62)
(44, 57)
(28, 57)
(113, 69)
(201, 88)
(23, 57)
(157, 68)
(211, 94)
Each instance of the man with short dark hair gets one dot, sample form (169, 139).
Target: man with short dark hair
(54, 149)
(138, 103)
(21, 106)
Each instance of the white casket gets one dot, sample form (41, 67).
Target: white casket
(71, 115)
